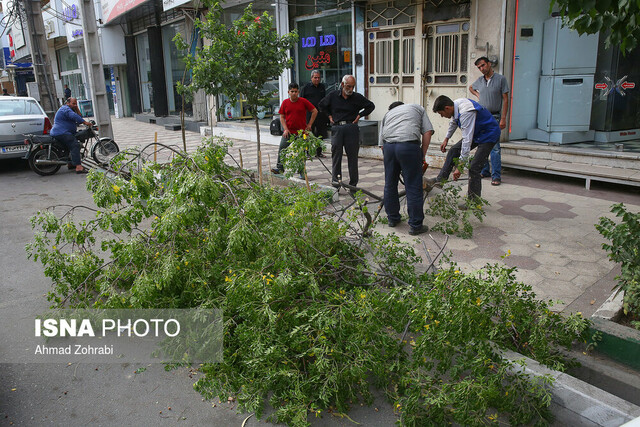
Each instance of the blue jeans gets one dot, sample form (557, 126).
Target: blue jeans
(496, 164)
(405, 158)
(71, 142)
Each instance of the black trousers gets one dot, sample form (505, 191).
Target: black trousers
(345, 137)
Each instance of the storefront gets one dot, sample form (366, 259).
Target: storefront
(325, 44)
(238, 109)
(70, 72)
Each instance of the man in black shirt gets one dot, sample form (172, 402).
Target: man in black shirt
(344, 108)
(314, 92)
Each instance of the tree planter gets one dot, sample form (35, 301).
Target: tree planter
(621, 343)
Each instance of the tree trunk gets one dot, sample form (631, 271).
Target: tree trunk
(184, 138)
(255, 118)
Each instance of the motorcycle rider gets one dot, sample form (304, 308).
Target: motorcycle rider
(64, 130)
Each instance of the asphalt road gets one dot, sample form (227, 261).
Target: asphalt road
(92, 394)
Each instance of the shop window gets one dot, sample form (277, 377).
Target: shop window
(324, 45)
(391, 56)
(446, 53)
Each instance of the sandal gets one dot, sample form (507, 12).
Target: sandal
(495, 182)
(82, 171)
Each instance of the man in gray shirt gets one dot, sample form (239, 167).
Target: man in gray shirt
(405, 134)
(492, 91)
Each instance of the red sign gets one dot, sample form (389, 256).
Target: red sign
(628, 85)
(601, 85)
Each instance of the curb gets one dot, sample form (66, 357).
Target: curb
(576, 403)
(620, 343)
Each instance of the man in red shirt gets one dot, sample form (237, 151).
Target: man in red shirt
(293, 117)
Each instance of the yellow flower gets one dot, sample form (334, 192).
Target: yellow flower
(426, 327)
(116, 188)
(206, 158)
(456, 272)
(304, 136)
(186, 263)
(227, 279)
(478, 301)
(437, 322)
(54, 248)
(291, 212)
(363, 295)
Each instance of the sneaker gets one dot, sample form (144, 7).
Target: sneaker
(393, 224)
(420, 230)
(276, 171)
(335, 184)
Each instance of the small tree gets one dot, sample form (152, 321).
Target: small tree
(621, 19)
(239, 59)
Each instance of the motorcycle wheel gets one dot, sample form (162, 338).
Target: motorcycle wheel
(43, 154)
(104, 150)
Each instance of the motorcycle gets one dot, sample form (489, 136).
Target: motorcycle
(46, 155)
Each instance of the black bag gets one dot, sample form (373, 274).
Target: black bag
(276, 127)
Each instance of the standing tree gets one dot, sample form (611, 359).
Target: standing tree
(239, 59)
(620, 17)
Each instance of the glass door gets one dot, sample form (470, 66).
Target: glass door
(144, 67)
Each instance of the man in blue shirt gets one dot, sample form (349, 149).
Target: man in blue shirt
(64, 130)
(479, 129)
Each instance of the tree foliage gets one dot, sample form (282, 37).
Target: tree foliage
(619, 20)
(239, 58)
(315, 314)
(623, 247)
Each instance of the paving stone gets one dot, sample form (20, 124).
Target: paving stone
(521, 262)
(551, 259)
(555, 273)
(516, 249)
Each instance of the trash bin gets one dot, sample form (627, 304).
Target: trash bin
(368, 132)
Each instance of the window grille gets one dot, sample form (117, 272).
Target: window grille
(446, 53)
(391, 13)
(391, 56)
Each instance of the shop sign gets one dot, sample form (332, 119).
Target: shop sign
(314, 62)
(328, 40)
(70, 13)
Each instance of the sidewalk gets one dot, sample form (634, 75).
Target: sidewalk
(545, 224)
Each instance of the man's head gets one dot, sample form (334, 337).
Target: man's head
(66, 86)
(293, 91)
(443, 105)
(72, 102)
(484, 65)
(4, 91)
(348, 85)
(315, 77)
(395, 104)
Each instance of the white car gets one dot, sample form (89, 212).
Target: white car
(19, 116)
